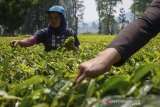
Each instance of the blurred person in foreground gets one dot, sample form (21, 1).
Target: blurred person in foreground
(129, 41)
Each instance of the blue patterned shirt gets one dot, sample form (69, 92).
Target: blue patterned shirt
(52, 41)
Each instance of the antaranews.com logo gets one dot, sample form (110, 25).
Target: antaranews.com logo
(120, 100)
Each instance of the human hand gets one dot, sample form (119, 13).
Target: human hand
(91, 68)
(70, 46)
(69, 43)
(14, 43)
(97, 66)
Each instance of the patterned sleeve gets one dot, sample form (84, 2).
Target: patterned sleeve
(73, 33)
(40, 35)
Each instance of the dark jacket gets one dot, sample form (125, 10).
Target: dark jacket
(138, 33)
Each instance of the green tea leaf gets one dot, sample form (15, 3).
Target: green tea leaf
(119, 83)
(5, 64)
(142, 71)
(91, 88)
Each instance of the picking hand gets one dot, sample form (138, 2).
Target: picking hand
(97, 66)
(14, 43)
(91, 68)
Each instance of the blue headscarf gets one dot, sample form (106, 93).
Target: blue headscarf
(62, 28)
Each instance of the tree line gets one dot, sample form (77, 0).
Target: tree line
(28, 16)
(106, 10)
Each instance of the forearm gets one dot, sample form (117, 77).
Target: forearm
(28, 42)
(109, 57)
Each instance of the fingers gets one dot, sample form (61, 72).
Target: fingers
(81, 75)
(14, 43)
(88, 69)
(11, 43)
(81, 78)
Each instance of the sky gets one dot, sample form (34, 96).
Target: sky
(90, 13)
